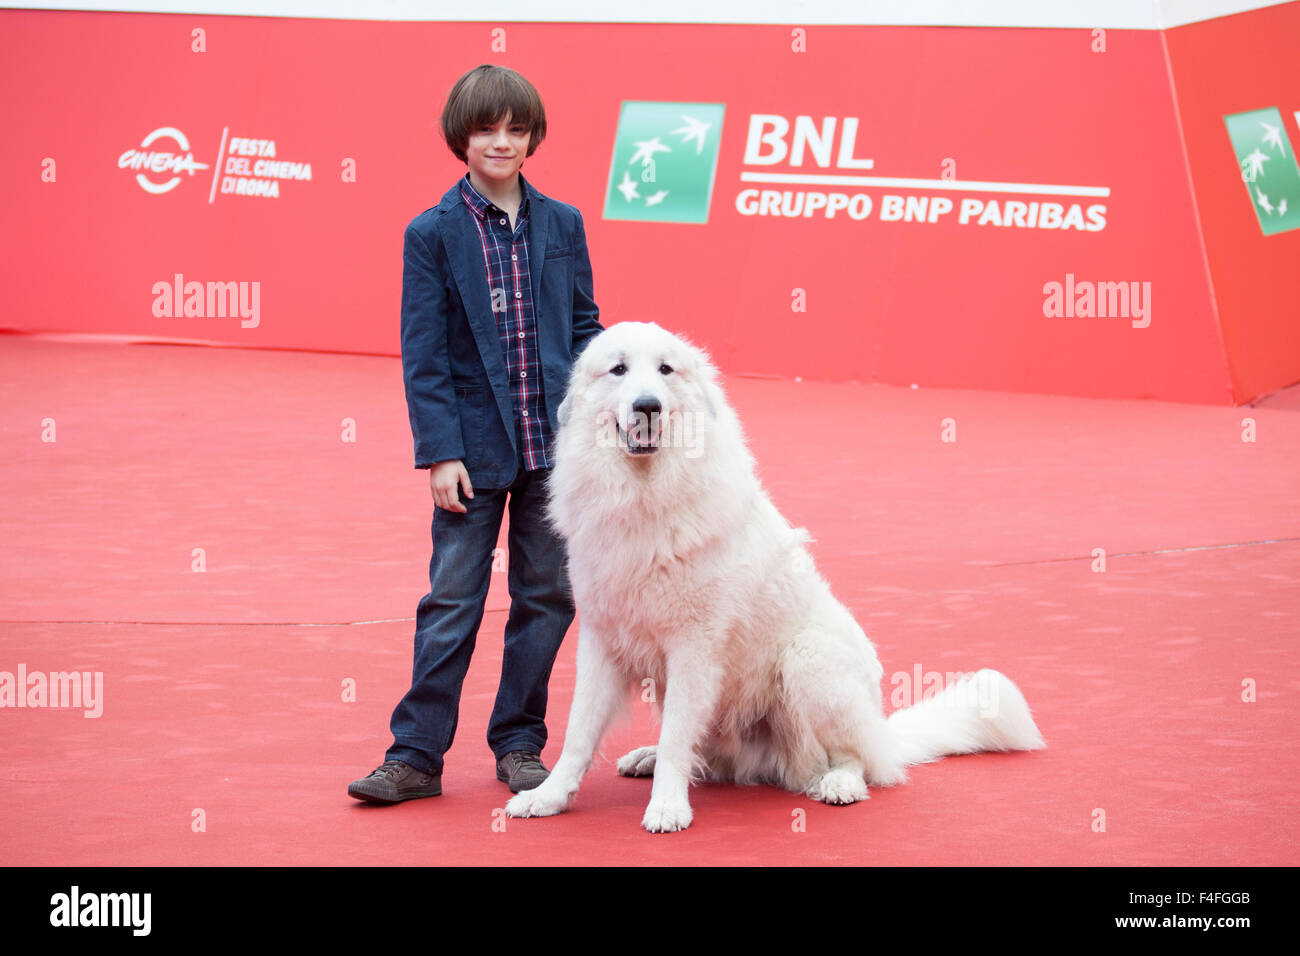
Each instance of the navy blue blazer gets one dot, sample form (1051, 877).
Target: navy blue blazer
(456, 389)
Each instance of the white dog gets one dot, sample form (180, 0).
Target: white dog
(685, 574)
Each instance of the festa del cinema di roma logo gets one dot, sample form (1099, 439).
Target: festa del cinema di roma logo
(245, 166)
(665, 161)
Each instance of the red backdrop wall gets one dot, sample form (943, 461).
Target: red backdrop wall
(938, 304)
(1230, 65)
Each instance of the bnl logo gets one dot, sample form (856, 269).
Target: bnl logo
(1268, 168)
(664, 163)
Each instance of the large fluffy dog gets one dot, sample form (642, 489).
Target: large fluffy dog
(684, 573)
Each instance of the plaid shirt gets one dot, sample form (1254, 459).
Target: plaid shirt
(505, 254)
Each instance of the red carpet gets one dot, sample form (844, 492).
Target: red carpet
(223, 689)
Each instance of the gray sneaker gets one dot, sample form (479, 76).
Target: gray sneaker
(521, 770)
(394, 781)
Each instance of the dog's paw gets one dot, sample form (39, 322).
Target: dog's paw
(538, 802)
(839, 786)
(664, 816)
(638, 763)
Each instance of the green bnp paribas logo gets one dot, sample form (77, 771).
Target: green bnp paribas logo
(665, 158)
(1268, 168)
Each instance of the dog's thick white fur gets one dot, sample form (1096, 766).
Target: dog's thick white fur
(685, 574)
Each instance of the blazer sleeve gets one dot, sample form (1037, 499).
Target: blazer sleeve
(426, 366)
(586, 314)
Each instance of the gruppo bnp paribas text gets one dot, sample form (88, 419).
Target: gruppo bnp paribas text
(826, 156)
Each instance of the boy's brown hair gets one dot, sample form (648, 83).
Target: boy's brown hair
(483, 96)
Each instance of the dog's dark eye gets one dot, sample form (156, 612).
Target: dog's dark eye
(619, 369)
(665, 369)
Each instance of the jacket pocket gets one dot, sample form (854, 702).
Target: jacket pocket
(472, 402)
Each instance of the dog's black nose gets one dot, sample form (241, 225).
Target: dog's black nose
(647, 405)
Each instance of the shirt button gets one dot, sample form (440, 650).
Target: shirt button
(514, 258)
(521, 335)
(503, 222)
(525, 413)
(523, 374)
(519, 295)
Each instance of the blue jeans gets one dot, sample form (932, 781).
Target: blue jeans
(448, 619)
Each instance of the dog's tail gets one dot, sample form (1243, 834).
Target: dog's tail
(982, 711)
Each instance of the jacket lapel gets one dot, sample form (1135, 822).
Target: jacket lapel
(552, 331)
(539, 227)
(465, 253)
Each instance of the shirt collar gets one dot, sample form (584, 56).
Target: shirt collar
(479, 204)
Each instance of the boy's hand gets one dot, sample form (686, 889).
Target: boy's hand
(444, 479)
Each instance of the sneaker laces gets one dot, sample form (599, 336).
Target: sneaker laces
(529, 760)
(389, 768)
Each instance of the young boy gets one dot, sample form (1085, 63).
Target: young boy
(496, 305)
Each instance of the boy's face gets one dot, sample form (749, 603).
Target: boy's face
(495, 153)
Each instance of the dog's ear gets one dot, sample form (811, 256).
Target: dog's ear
(578, 378)
(707, 375)
(712, 396)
